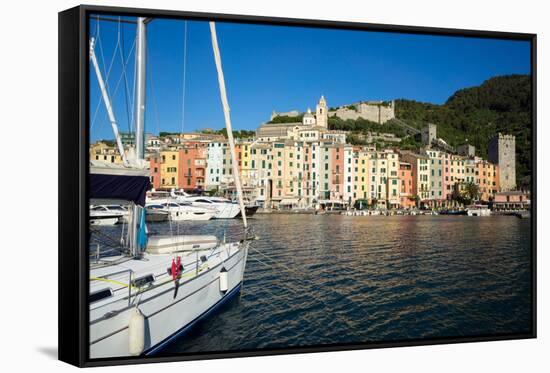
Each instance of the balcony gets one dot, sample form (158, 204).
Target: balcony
(200, 163)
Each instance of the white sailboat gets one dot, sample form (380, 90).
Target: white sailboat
(148, 294)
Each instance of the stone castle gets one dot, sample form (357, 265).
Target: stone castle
(374, 111)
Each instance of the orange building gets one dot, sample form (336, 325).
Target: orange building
(180, 167)
(154, 166)
(406, 178)
(192, 165)
(487, 178)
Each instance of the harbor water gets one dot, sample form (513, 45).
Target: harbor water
(322, 280)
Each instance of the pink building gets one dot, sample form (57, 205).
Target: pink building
(513, 200)
(446, 170)
(337, 171)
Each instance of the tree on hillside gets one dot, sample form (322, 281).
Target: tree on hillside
(500, 104)
(287, 119)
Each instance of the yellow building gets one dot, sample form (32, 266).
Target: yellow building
(169, 160)
(100, 151)
(458, 172)
(362, 186)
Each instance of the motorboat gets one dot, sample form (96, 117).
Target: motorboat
(478, 210)
(225, 208)
(250, 210)
(103, 215)
(154, 197)
(181, 211)
(156, 214)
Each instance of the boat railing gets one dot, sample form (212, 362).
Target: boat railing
(108, 278)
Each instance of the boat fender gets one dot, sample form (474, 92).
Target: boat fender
(136, 332)
(224, 281)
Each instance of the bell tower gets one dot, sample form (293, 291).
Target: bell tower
(321, 115)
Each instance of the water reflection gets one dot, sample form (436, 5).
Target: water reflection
(345, 279)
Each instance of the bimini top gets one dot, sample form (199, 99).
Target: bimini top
(112, 181)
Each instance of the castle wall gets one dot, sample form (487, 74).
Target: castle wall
(373, 112)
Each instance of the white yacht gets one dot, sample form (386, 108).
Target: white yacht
(150, 290)
(181, 211)
(478, 210)
(156, 214)
(157, 197)
(225, 208)
(102, 215)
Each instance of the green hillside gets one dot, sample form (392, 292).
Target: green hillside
(500, 104)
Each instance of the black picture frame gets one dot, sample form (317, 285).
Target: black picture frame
(73, 182)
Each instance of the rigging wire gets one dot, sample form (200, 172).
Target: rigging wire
(116, 87)
(122, 50)
(106, 74)
(154, 97)
(184, 76)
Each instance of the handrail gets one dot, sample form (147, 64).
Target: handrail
(129, 285)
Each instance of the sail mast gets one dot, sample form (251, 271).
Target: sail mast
(141, 55)
(141, 59)
(223, 94)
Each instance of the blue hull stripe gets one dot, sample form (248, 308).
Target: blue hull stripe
(188, 327)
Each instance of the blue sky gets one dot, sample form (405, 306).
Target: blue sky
(283, 68)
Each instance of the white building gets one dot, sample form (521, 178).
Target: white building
(349, 173)
(214, 164)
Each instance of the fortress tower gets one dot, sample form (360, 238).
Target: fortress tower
(429, 134)
(321, 115)
(502, 151)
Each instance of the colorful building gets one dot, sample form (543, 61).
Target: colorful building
(310, 167)
(421, 172)
(487, 179)
(436, 167)
(214, 164)
(103, 152)
(406, 192)
(511, 201)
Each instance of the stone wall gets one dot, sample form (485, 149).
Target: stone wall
(292, 113)
(377, 112)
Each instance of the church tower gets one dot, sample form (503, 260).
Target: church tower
(322, 113)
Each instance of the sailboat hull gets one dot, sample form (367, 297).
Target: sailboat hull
(167, 312)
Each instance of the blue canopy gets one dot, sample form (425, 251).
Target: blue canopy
(125, 187)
